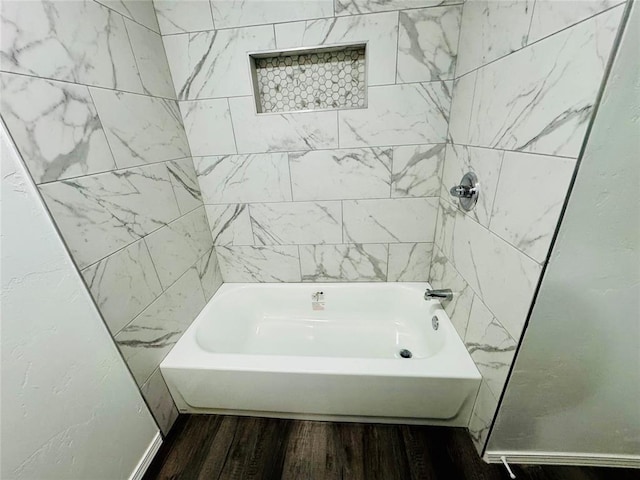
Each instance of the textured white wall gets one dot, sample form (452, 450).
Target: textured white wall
(576, 383)
(70, 409)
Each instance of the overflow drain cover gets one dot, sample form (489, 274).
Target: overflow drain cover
(404, 353)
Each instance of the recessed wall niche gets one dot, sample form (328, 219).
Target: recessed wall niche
(328, 78)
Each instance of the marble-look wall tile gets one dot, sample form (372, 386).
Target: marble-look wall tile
(244, 178)
(485, 163)
(355, 7)
(259, 264)
(55, 126)
(491, 30)
(540, 99)
(417, 170)
(380, 31)
(214, 63)
(99, 214)
(344, 263)
(398, 115)
(149, 337)
(148, 51)
(461, 107)
(341, 174)
(141, 11)
(177, 246)
(78, 41)
(183, 16)
(397, 220)
(409, 262)
(490, 346)
(208, 127)
(296, 223)
(444, 275)
(230, 224)
(551, 16)
(185, 184)
(237, 13)
(475, 252)
(529, 198)
(123, 284)
(140, 129)
(281, 132)
(209, 273)
(159, 399)
(482, 416)
(428, 44)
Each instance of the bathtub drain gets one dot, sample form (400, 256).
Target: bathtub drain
(404, 353)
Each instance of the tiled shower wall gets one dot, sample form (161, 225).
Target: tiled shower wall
(87, 97)
(348, 195)
(527, 77)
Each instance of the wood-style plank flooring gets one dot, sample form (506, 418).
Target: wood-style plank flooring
(212, 447)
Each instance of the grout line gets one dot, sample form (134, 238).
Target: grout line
(533, 12)
(213, 20)
(495, 193)
(544, 38)
(290, 177)
(334, 200)
(299, 262)
(130, 18)
(233, 130)
(135, 59)
(88, 85)
(155, 269)
(395, 76)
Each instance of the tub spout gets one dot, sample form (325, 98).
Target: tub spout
(444, 295)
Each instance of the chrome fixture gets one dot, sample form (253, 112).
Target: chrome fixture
(444, 295)
(467, 192)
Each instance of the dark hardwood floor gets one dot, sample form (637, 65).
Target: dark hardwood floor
(211, 447)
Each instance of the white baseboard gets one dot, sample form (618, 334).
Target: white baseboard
(564, 458)
(147, 458)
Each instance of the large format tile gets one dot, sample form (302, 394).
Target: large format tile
(150, 336)
(296, 223)
(55, 126)
(482, 416)
(183, 16)
(244, 178)
(237, 13)
(444, 275)
(123, 284)
(152, 62)
(209, 273)
(208, 126)
(139, 10)
(379, 31)
(551, 16)
(409, 262)
(398, 115)
(355, 7)
(215, 63)
(416, 170)
(344, 263)
(428, 44)
(102, 213)
(177, 246)
(485, 163)
(230, 224)
(529, 198)
(492, 29)
(504, 277)
(540, 99)
(259, 264)
(159, 400)
(490, 346)
(397, 220)
(340, 174)
(79, 41)
(140, 129)
(281, 132)
(185, 184)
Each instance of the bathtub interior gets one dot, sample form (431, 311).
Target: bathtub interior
(351, 321)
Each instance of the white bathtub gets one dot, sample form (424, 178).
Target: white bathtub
(278, 350)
